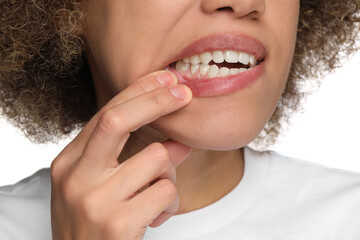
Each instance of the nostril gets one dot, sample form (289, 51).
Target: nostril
(225, 9)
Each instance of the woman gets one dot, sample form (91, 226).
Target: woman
(180, 88)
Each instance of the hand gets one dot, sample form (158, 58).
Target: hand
(95, 197)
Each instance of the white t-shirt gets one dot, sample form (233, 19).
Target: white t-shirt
(278, 198)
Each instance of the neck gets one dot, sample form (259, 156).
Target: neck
(203, 178)
(207, 176)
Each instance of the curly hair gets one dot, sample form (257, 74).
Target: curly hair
(45, 82)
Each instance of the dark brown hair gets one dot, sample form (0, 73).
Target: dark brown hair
(45, 82)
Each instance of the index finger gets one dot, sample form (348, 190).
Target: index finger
(145, 84)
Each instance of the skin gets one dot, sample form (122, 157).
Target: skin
(97, 178)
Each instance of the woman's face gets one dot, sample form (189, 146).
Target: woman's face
(127, 39)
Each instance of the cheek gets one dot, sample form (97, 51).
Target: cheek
(126, 46)
(284, 28)
(282, 19)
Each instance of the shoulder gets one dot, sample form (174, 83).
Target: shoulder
(300, 196)
(39, 181)
(292, 180)
(25, 208)
(285, 166)
(310, 170)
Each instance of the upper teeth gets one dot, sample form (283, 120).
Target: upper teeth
(201, 62)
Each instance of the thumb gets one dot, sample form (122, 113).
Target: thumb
(178, 152)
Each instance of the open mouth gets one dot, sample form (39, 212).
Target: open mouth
(219, 64)
(214, 64)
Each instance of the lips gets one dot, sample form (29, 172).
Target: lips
(215, 86)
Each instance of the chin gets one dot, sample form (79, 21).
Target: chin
(220, 123)
(220, 137)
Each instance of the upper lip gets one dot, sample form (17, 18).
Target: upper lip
(223, 41)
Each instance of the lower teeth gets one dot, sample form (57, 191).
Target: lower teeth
(206, 71)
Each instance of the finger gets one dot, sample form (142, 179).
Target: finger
(163, 217)
(115, 124)
(152, 163)
(157, 203)
(145, 84)
(178, 151)
(156, 161)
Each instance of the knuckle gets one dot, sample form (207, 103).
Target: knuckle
(110, 121)
(88, 206)
(160, 154)
(141, 89)
(159, 150)
(145, 86)
(59, 166)
(168, 190)
(159, 97)
(116, 225)
(55, 169)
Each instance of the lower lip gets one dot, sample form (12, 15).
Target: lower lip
(222, 85)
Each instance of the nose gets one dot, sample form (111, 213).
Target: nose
(241, 8)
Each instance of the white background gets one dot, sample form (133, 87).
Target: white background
(327, 132)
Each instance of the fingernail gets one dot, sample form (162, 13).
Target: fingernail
(180, 92)
(167, 78)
